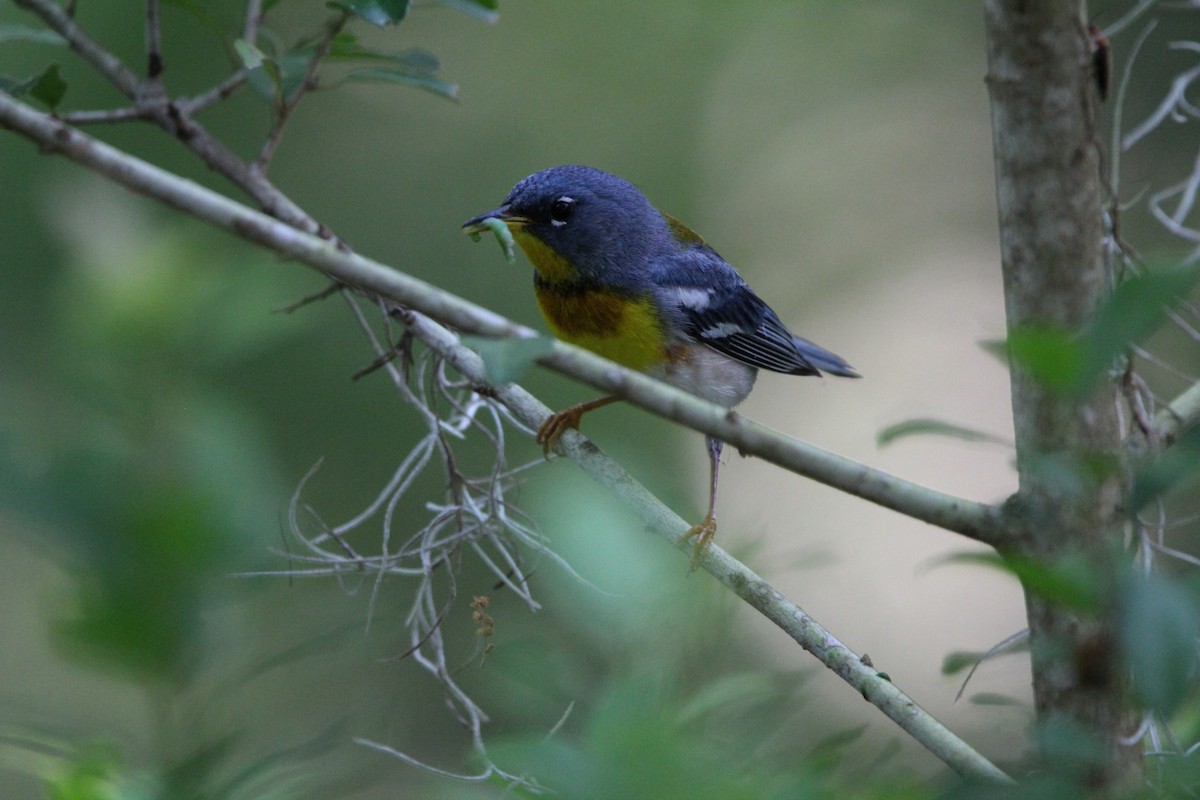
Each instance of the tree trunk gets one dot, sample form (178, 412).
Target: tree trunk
(1048, 190)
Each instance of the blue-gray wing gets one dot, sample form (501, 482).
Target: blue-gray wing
(713, 305)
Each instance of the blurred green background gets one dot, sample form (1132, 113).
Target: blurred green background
(156, 415)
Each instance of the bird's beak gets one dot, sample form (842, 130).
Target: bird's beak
(478, 225)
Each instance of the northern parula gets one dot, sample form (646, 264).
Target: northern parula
(618, 277)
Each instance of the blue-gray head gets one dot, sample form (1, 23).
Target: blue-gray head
(592, 220)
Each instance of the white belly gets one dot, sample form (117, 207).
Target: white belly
(706, 373)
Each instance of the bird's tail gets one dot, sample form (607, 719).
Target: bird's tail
(824, 360)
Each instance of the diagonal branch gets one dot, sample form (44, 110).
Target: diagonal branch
(979, 521)
(55, 136)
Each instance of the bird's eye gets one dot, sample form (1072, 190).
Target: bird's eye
(561, 210)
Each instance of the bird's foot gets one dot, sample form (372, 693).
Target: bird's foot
(703, 533)
(556, 424)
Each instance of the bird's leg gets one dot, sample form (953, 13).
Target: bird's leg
(707, 529)
(552, 429)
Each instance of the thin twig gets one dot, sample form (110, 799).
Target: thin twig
(283, 114)
(154, 58)
(254, 14)
(194, 105)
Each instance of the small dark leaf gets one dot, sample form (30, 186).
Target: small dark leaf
(960, 660)
(924, 426)
(1159, 623)
(27, 33)
(998, 348)
(419, 80)
(506, 360)
(48, 89)
(377, 12)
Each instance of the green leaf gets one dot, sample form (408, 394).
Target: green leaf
(506, 360)
(1159, 624)
(345, 47)
(1068, 581)
(1136, 309)
(405, 77)
(250, 55)
(273, 78)
(262, 72)
(377, 12)
(960, 660)
(49, 88)
(1076, 364)
(28, 33)
(1053, 357)
(926, 426)
(483, 10)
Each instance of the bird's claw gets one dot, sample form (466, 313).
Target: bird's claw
(703, 533)
(552, 429)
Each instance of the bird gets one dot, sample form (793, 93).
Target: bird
(616, 276)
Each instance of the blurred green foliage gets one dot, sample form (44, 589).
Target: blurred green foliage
(1077, 365)
(155, 417)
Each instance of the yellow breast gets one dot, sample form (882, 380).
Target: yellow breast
(622, 329)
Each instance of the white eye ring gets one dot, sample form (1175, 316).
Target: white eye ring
(561, 210)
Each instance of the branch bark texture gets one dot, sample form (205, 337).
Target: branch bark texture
(1049, 197)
